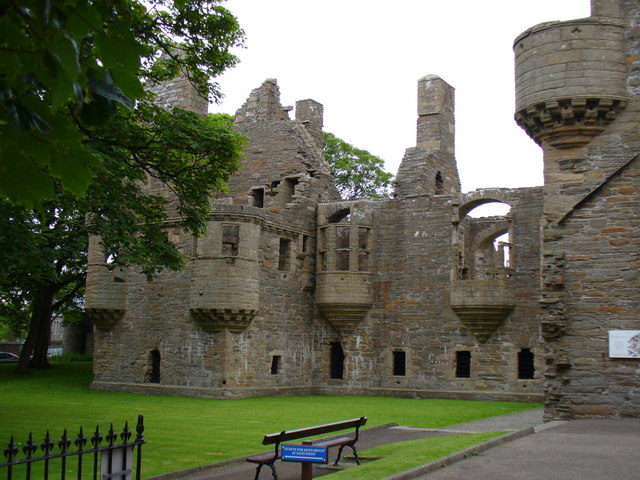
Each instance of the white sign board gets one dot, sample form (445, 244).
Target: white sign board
(624, 343)
(115, 466)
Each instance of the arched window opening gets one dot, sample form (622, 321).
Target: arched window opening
(336, 362)
(341, 216)
(490, 208)
(154, 366)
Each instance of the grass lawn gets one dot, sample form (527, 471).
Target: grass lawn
(398, 457)
(185, 432)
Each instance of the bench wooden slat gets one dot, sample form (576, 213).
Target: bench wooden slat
(311, 431)
(334, 442)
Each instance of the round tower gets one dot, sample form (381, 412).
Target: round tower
(225, 287)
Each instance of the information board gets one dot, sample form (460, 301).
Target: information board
(624, 343)
(303, 453)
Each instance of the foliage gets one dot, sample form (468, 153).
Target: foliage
(58, 398)
(358, 173)
(70, 357)
(148, 158)
(67, 65)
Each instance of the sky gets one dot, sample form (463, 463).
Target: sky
(362, 59)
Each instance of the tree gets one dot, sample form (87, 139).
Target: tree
(43, 251)
(358, 173)
(66, 66)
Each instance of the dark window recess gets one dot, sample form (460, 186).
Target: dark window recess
(336, 364)
(154, 367)
(363, 237)
(342, 260)
(439, 184)
(305, 243)
(526, 367)
(230, 240)
(285, 254)
(399, 363)
(463, 364)
(363, 261)
(342, 237)
(323, 261)
(257, 197)
(275, 364)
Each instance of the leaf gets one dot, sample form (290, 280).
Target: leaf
(22, 180)
(110, 92)
(65, 50)
(74, 169)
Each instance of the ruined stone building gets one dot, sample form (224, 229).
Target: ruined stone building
(295, 291)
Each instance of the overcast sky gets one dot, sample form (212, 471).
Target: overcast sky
(362, 58)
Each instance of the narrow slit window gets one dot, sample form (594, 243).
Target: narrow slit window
(305, 243)
(154, 366)
(336, 363)
(285, 254)
(463, 364)
(230, 240)
(275, 364)
(439, 184)
(526, 366)
(399, 363)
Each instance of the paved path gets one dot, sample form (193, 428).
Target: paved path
(590, 449)
(242, 470)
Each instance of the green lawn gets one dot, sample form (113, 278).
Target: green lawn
(185, 432)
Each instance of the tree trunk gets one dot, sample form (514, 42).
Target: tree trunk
(37, 341)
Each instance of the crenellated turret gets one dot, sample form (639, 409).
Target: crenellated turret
(571, 77)
(344, 291)
(225, 287)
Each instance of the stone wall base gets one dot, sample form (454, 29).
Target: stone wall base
(246, 392)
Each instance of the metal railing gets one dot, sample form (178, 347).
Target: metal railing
(109, 460)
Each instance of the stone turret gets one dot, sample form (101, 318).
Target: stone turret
(344, 287)
(430, 168)
(571, 84)
(225, 285)
(106, 290)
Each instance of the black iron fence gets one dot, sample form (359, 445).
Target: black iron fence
(109, 457)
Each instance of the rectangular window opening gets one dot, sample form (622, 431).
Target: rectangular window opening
(285, 254)
(526, 366)
(305, 243)
(257, 197)
(230, 240)
(463, 364)
(363, 238)
(342, 260)
(275, 364)
(399, 363)
(342, 237)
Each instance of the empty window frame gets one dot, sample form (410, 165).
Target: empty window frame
(257, 197)
(399, 363)
(284, 257)
(336, 361)
(230, 240)
(275, 364)
(463, 364)
(526, 367)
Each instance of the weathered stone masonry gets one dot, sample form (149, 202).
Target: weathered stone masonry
(293, 290)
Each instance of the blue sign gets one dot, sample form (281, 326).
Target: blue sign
(303, 453)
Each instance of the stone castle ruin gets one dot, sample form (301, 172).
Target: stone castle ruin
(295, 291)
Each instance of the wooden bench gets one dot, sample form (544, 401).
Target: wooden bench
(276, 439)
